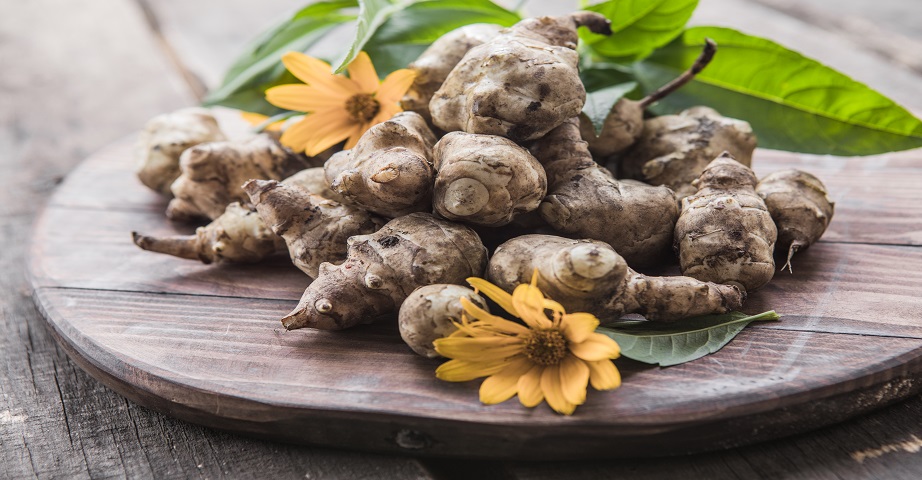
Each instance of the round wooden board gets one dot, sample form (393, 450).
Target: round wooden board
(204, 344)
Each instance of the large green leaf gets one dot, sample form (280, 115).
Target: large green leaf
(260, 67)
(404, 36)
(792, 102)
(639, 26)
(372, 14)
(680, 342)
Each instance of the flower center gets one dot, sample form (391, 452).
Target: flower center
(362, 107)
(546, 347)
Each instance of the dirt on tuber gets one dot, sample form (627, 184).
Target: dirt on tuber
(725, 233)
(382, 270)
(163, 140)
(237, 236)
(589, 276)
(213, 174)
(389, 172)
(800, 206)
(314, 229)
(430, 313)
(520, 84)
(485, 179)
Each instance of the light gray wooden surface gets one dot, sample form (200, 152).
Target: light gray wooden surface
(77, 75)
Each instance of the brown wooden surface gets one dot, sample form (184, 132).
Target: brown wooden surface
(78, 75)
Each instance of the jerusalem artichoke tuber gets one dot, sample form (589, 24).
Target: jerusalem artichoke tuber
(430, 313)
(800, 206)
(433, 65)
(725, 233)
(485, 179)
(313, 180)
(521, 83)
(314, 228)
(213, 173)
(589, 276)
(163, 140)
(237, 236)
(674, 149)
(383, 268)
(389, 172)
(584, 200)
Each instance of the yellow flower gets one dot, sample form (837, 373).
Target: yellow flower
(257, 119)
(549, 359)
(340, 108)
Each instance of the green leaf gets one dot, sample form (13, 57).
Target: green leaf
(792, 102)
(260, 66)
(372, 14)
(599, 102)
(638, 26)
(684, 341)
(407, 33)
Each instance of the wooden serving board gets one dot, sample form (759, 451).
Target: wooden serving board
(204, 343)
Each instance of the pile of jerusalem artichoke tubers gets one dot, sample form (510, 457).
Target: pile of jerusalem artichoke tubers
(492, 145)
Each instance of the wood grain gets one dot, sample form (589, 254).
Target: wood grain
(204, 344)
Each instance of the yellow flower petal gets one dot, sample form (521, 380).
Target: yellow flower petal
(354, 136)
(603, 375)
(319, 74)
(502, 386)
(257, 119)
(297, 136)
(395, 86)
(302, 98)
(498, 295)
(337, 129)
(574, 376)
(362, 72)
(596, 347)
(494, 323)
(529, 387)
(461, 371)
(529, 304)
(578, 326)
(550, 385)
(481, 349)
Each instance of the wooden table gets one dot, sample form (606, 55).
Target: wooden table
(77, 75)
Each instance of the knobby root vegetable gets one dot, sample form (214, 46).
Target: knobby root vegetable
(584, 200)
(624, 122)
(389, 172)
(383, 269)
(485, 179)
(725, 233)
(674, 149)
(237, 236)
(589, 276)
(521, 83)
(213, 173)
(800, 206)
(163, 140)
(313, 180)
(315, 229)
(433, 65)
(430, 313)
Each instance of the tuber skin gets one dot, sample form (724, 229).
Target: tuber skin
(674, 149)
(430, 313)
(520, 84)
(485, 179)
(313, 180)
(589, 276)
(624, 122)
(163, 140)
(383, 269)
(213, 173)
(725, 233)
(584, 200)
(237, 236)
(800, 206)
(433, 65)
(389, 172)
(314, 229)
